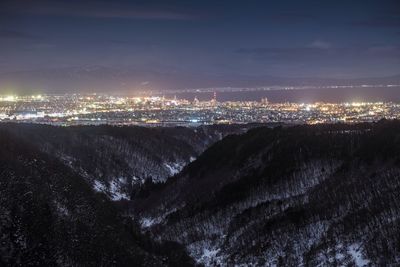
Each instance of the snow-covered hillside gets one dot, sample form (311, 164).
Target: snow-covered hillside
(117, 160)
(299, 196)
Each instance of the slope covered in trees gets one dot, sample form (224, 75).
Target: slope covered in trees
(50, 216)
(115, 160)
(324, 195)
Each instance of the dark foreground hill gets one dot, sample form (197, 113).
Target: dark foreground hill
(50, 216)
(115, 160)
(325, 195)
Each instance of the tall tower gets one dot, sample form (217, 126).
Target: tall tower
(196, 101)
(214, 99)
(264, 101)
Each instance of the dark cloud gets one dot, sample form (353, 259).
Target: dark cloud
(324, 52)
(100, 9)
(116, 13)
(292, 17)
(11, 34)
(383, 22)
(385, 51)
(320, 45)
(315, 50)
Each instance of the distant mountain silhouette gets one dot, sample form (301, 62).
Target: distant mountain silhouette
(128, 80)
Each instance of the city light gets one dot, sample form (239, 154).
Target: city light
(9, 98)
(78, 109)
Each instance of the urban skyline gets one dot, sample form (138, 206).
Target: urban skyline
(98, 109)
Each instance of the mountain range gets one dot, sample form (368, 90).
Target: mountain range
(50, 216)
(131, 80)
(324, 195)
(234, 195)
(117, 160)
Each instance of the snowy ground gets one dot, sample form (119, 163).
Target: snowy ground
(174, 168)
(356, 252)
(114, 190)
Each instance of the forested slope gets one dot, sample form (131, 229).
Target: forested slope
(50, 216)
(116, 160)
(324, 195)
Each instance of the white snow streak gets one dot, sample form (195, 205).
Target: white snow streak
(114, 190)
(355, 251)
(98, 186)
(174, 168)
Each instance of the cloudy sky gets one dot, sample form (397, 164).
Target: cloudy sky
(224, 38)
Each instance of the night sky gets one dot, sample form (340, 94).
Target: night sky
(155, 44)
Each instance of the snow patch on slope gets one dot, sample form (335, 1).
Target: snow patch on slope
(206, 254)
(174, 168)
(99, 187)
(114, 190)
(146, 222)
(209, 256)
(356, 252)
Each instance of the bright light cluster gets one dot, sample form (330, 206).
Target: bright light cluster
(76, 109)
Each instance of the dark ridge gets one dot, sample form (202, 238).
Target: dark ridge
(51, 217)
(303, 195)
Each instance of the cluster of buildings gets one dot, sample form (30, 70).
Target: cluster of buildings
(94, 109)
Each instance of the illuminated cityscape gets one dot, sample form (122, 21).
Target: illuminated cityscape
(95, 109)
(164, 133)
